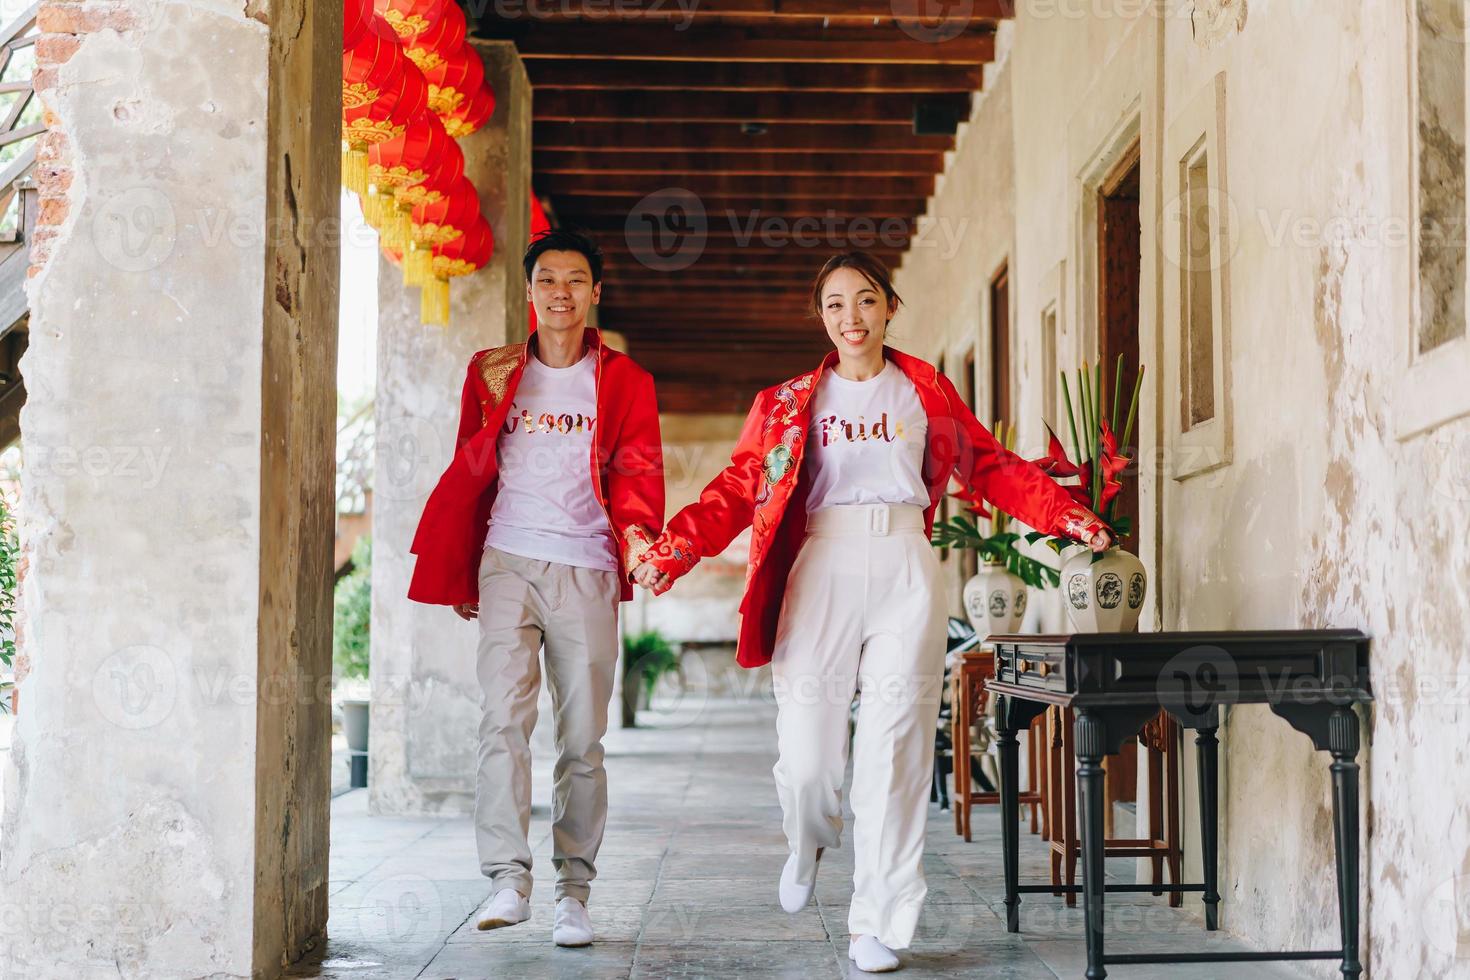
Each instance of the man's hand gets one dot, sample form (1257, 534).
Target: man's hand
(467, 610)
(650, 577)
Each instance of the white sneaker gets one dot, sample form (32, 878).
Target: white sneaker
(794, 896)
(505, 908)
(573, 926)
(872, 956)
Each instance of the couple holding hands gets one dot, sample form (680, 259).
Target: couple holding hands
(552, 509)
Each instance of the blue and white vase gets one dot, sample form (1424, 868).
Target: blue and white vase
(995, 600)
(1104, 596)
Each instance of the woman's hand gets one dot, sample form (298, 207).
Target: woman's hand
(467, 610)
(651, 578)
(1101, 540)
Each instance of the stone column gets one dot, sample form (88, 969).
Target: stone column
(165, 814)
(425, 699)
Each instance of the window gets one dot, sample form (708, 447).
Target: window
(1000, 347)
(1434, 349)
(1196, 287)
(1049, 364)
(1197, 246)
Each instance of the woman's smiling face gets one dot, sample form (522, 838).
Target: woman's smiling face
(855, 312)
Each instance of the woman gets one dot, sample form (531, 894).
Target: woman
(839, 471)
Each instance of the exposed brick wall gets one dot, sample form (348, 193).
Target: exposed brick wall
(62, 26)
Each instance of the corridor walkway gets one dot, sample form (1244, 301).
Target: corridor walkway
(686, 884)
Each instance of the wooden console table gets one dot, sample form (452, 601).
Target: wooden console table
(1115, 682)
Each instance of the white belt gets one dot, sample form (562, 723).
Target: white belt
(866, 519)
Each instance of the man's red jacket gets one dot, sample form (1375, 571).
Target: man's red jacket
(626, 469)
(762, 487)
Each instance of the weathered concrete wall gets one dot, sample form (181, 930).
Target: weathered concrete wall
(425, 701)
(176, 601)
(1331, 512)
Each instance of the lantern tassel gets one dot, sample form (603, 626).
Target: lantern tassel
(417, 265)
(374, 208)
(354, 169)
(400, 227)
(434, 302)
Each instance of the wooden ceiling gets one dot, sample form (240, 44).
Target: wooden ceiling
(792, 125)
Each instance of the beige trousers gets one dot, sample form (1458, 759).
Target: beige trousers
(863, 614)
(572, 613)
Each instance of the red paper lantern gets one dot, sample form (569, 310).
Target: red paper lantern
(457, 76)
(381, 92)
(437, 223)
(450, 169)
(470, 251)
(445, 35)
(402, 162)
(410, 18)
(357, 15)
(472, 113)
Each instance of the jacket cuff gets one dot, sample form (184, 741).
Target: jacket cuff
(636, 544)
(1079, 523)
(673, 555)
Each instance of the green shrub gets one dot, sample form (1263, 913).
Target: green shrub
(649, 656)
(352, 614)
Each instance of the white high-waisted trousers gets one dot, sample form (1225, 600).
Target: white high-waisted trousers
(862, 613)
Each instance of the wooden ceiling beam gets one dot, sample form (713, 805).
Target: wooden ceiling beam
(718, 208)
(777, 11)
(694, 75)
(613, 138)
(745, 185)
(736, 163)
(809, 108)
(875, 45)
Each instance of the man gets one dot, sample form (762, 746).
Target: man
(556, 481)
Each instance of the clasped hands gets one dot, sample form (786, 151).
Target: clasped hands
(651, 577)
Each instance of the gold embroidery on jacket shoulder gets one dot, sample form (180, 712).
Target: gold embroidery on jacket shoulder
(496, 367)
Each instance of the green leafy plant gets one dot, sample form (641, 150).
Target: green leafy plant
(1101, 458)
(995, 542)
(648, 656)
(352, 607)
(9, 562)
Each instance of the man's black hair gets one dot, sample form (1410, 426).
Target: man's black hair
(564, 240)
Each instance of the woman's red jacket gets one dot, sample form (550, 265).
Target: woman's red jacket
(761, 488)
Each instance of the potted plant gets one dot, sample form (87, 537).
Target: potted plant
(995, 596)
(1104, 592)
(351, 618)
(647, 656)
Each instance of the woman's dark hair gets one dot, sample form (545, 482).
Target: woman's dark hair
(866, 264)
(564, 240)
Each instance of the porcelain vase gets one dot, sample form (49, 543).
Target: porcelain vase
(995, 600)
(1104, 596)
